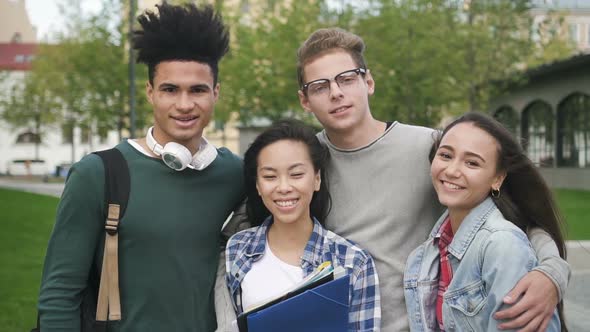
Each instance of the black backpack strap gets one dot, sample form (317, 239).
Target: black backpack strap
(116, 179)
(117, 184)
(117, 187)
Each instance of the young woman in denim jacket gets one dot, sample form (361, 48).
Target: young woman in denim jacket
(288, 199)
(478, 249)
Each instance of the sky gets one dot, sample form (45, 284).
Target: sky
(45, 16)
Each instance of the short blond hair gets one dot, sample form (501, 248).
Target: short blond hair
(327, 40)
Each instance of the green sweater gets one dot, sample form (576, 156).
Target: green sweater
(169, 243)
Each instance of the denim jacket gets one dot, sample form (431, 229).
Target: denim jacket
(488, 255)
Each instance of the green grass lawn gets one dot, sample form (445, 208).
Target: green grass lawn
(575, 206)
(27, 220)
(25, 226)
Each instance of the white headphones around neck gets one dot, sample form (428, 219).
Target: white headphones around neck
(178, 157)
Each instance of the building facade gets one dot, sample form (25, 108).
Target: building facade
(25, 151)
(568, 18)
(551, 113)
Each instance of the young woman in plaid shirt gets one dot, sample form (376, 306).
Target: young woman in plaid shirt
(288, 200)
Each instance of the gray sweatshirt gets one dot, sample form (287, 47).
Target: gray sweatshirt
(383, 199)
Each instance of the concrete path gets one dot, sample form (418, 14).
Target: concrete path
(577, 298)
(51, 189)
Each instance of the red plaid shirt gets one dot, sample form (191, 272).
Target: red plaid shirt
(445, 235)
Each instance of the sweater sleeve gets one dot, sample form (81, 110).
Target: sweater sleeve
(550, 263)
(72, 246)
(223, 304)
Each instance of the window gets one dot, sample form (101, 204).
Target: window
(537, 133)
(573, 131)
(16, 38)
(536, 33)
(85, 134)
(103, 134)
(28, 137)
(574, 32)
(508, 117)
(19, 58)
(67, 133)
(245, 6)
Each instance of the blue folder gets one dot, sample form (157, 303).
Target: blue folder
(323, 309)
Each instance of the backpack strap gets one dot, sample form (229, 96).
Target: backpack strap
(116, 180)
(117, 187)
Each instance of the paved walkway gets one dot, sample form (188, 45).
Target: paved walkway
(51, 189)
(577, 299)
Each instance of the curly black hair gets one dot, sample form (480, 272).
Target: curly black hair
(184, 33)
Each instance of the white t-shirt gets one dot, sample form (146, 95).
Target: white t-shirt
(267, 278)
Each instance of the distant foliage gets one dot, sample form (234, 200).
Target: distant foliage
(428, 59)
(81, 78)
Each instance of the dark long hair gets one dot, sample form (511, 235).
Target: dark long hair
(294, 131)
(525, 199)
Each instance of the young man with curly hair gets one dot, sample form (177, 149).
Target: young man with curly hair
(182, 190)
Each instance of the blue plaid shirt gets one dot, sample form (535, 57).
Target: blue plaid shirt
(247, 247)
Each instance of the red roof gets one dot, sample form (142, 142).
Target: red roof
(16, 56)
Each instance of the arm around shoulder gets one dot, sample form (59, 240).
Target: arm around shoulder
(551, 264)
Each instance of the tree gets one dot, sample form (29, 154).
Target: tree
(29, 105)
(90, 66)
(551, 42)
(85, 74)
(496, 43)
(412, 53)
(431, 58)
(258, 75)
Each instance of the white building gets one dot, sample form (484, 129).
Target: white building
(19, 151)
(576, 20)
(22, 151)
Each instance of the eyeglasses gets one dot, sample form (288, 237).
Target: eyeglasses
(344, 80)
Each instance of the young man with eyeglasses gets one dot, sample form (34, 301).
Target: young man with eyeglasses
(382, 195)
(181, 191)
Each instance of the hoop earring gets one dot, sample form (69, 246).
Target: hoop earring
(495, 193)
